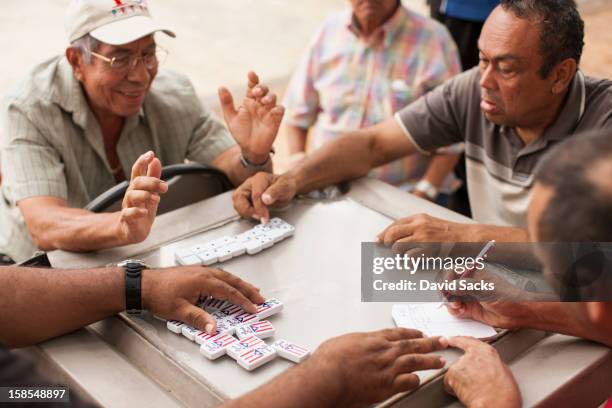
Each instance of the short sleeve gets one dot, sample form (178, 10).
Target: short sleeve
(438, 119)
(302, 98)
(31, 166)
(209, 138)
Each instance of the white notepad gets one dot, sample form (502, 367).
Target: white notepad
(433, 320)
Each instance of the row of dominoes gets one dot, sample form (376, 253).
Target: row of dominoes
(249, 349)
(256, 239)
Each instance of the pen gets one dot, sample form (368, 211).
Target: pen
(470, 272)
(483, 252)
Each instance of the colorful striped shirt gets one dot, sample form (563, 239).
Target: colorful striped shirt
(346, 82)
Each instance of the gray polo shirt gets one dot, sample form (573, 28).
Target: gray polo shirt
(499, 165)
(52, 145)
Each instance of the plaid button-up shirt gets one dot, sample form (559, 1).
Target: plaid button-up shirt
(344, 83)
(51, 143)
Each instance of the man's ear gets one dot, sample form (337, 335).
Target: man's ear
(75, 58)
(563, 74)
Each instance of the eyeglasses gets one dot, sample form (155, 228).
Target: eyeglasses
(126, 63)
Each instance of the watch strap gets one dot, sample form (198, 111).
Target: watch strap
(427, 188)
(255, 167)
(133, 293)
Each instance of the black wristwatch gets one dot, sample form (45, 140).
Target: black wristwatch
(133, 278)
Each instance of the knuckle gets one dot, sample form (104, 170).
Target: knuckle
(410, 360)
(489, 350)
(194, 318)
(224, 274)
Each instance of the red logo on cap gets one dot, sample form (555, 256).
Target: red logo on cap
(124, 6)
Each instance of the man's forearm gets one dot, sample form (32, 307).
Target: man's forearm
(558, 318)
(229, 163)
(38, 304)
(352, 156)
(296, 137)
(302, 386)
(440, 166)
(484, 233)
(75, 229)
(346, 158)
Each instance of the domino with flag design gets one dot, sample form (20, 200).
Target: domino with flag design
(226, 326)
(262, 329)
(238, 347)
(203, 337)
(212, 305)
(230, 310)
(256, 356)
(217, 346)
(269, 308)
(291, 351)
(175, 326)
(242, 318)
(190, 332)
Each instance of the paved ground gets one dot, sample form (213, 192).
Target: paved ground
(219, 41)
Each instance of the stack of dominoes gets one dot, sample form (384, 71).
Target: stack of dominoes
(248, 347)
(255, 240)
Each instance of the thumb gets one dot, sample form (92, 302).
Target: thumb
(277, 192)
(198, 318)
(227, 104)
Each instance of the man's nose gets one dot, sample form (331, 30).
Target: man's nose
(139, 72)
(487, 81)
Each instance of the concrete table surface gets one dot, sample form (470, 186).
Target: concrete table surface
(316, 273)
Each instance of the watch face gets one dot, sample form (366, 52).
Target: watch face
(133, 261)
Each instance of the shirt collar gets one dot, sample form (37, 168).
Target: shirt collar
(387, 31)
(568, 118)
(572, 111)
(69, 94)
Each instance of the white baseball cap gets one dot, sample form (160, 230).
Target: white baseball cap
(113, 22)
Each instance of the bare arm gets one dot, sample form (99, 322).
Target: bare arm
(296, 137)
(548, 316)
(54, 225)
(557, 317)
(229, 163)
(301, 386)
(352, 156)
(356, 369)
(254, 125)
(348, 157)
(66, 300)
(440, 166)
(425, 228)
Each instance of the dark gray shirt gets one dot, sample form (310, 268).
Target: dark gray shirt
(499, 165)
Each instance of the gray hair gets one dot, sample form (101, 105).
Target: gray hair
(561, 28)
(85, 45)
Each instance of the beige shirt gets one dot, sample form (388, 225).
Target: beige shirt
(52, 145)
